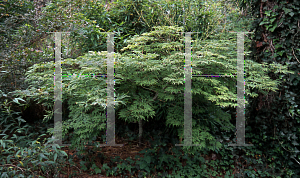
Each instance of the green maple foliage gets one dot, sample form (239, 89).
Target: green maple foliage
(151, 68)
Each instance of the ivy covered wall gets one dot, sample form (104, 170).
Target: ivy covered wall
(274, 118)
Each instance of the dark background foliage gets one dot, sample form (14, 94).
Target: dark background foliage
(273, 124)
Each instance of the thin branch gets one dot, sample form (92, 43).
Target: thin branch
(289, 151)
(73, 165)
(156, 93)
(13, 166)
(286, 149)
(295, 56)
(296, 160)
(279, 19)
(140, 15)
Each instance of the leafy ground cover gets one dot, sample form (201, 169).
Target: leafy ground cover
(156, 157)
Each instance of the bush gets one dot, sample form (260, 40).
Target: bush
(150, 68)
(22, 156)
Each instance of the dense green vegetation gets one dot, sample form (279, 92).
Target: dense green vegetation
(149, 88)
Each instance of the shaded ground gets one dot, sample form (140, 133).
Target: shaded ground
(130, 149)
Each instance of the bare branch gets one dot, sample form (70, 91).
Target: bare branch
(156, 93)
(295, 56)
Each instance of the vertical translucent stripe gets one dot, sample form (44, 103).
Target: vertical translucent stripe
(110, 91)
(240, 122)
(188, 92)
(58, 91)
(110, 133)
